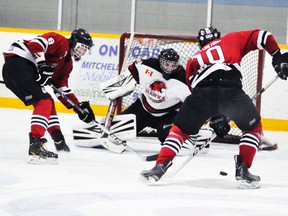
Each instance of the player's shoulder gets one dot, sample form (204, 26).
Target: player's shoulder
(151, 62)
(52, 34)
(55, 36)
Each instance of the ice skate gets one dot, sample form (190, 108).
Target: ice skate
(59, 141)
(38, 154)
(153, 175)
(245, 178)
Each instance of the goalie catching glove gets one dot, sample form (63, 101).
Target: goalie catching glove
(87, 115)
(280, 64)
(220, 125)
(119, 86)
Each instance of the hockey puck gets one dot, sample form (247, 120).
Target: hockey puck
(223, 173)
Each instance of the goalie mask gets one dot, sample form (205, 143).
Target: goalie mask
(206, 35)
(169, 62)
(80, 43)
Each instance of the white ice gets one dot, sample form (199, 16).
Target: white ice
(94, 182)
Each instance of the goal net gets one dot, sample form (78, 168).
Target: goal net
(148, 45)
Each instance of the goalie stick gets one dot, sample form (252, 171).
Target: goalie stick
(119, 141)
(113, 104)
(104, 139)
(190, 157)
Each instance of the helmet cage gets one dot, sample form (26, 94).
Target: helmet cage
(168, 66)
(80, 50)
(169, 60)
(80, 41)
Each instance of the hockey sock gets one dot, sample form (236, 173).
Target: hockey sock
(53, 123)
(171, 145)
(247, 154)
(249, 144)
(40, 116)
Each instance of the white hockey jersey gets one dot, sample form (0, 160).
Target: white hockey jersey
(159, 96)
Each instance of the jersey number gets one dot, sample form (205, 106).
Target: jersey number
(214, 55)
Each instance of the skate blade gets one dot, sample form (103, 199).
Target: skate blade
(42, 161)
(268, 147)
(150, 181)
(243, 184)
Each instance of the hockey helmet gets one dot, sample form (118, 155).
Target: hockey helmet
(80, 42)
(206, 35)
(169, 61)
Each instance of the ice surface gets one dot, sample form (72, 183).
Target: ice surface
(92, 182)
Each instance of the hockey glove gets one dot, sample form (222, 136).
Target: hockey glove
(88, 114)
(280, 64)
(45, 73)
(220, 125)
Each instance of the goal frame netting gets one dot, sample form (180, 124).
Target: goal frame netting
(256, 61)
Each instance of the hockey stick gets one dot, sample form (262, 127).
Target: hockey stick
(119, 141)
(75, 106)
(110, 114)
(191, 142)
(190, 157)
(113, 103)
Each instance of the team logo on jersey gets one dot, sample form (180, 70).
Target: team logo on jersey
(156, 91)
(51, 41)
(149, 72)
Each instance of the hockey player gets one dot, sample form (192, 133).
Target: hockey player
(32, 64)
(164, 89)
(215, 76)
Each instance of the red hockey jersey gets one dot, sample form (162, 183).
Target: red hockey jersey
(227, 50)
(57, 52)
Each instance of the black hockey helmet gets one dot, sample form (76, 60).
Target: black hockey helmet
(80, 42)
(207, 34)
(169, 61)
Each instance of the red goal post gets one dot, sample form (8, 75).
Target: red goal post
(149, 45)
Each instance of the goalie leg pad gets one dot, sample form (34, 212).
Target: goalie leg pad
(123, 126)
(188, 147)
